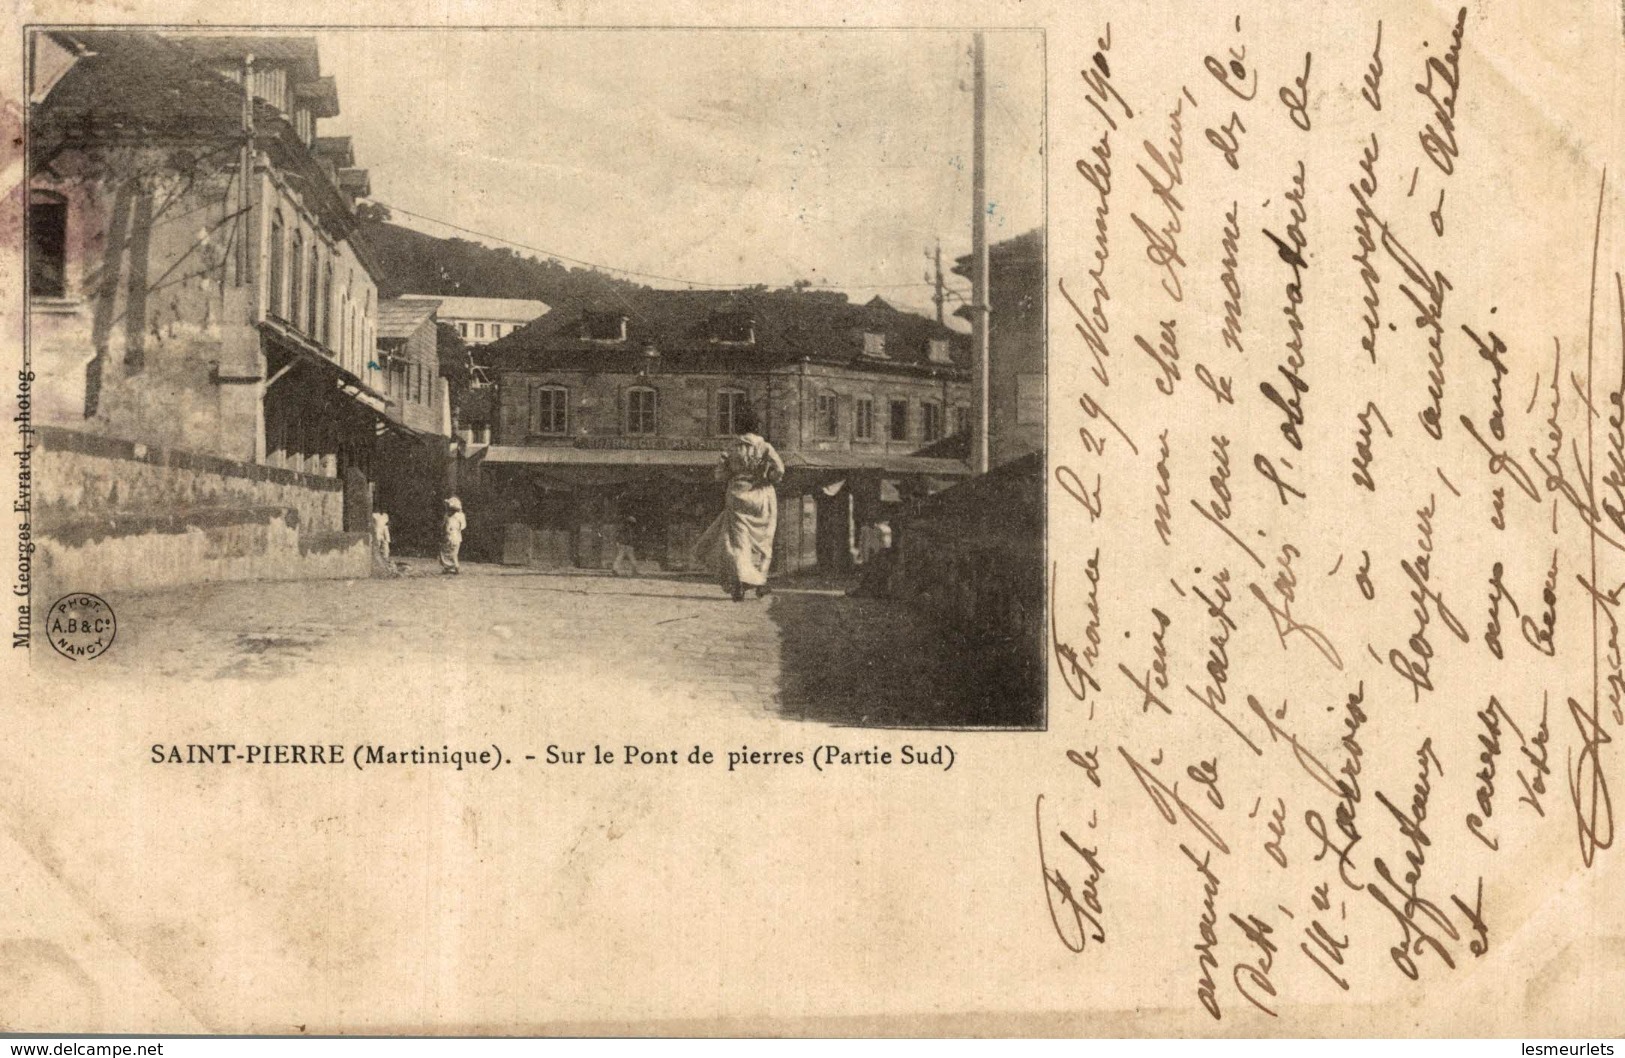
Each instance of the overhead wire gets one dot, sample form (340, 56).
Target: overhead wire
(692, 283)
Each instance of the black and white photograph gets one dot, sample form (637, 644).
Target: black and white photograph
(523, 347)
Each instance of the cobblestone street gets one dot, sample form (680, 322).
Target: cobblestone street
(804, 653)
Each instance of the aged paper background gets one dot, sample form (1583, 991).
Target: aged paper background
(146, 898)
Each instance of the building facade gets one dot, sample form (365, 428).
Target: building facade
(409, 354)
(609, 419)
(420, 356)
(1016, 333)
(480, 321)
(477, 323)
(972, 556)
(194, 287)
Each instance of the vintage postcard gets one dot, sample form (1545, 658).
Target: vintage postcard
(922, 518)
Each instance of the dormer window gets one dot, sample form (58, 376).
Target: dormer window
(733, 328)
(874, 344)
(937, 351)
(603, 327)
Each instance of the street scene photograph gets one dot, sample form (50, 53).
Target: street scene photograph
(563, 357)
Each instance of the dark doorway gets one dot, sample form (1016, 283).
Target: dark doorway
(357, 500)
(834, 540)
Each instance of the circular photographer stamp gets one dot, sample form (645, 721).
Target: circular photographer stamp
(81, 626)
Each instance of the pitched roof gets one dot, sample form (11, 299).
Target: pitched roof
(504, 310)
(1015, 268)
(321, 94)
(1026, 248)
(338, 149)
(357, 182)
(132, 86)
(788, 325)
(138, 83)
(298, 52)
(400, 318)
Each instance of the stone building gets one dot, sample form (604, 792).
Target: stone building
(480, 321)
(972, 556)
(201, 321)
(1016, 386)
(609, 419)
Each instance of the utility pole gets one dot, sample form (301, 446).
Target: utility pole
(978, 296)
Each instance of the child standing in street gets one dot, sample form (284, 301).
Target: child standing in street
(452, 541)
(626, 557)
(380, 538)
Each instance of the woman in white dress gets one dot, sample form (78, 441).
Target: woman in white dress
(739, 543)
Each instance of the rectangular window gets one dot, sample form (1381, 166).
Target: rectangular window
(274, 279)
(496, 330)
(898, 425)
(479, 330)
(313, 294)
(937, 351)
(828, 421)
(327, 305)
(296, 286)
(730, 402)
(549, 410)
(640, 412)
(874, 344)
(961, 420)
(47, 247)
(462, 330)
(931, 420)
(863, 419)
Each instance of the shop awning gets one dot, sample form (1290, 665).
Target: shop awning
(557, 455)
(562, 455)
(876, 461)
(306, 352)
(386, 423)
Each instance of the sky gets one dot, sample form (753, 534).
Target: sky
(715, 158)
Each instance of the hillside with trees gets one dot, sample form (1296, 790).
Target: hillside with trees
(415, 263)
